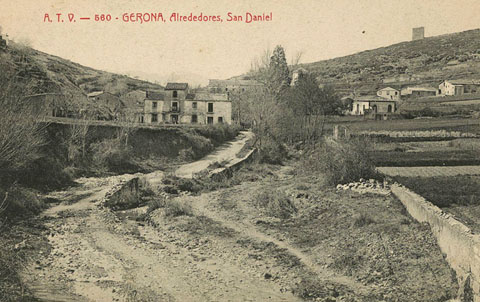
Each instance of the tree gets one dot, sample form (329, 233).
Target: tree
(280, 76)
(21, 136)
(312, 105)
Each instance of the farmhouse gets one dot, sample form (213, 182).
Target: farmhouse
(412, 92)
(178, 106)
(389, 93)
(364, 105)
(233, 85)
(104, 105)
(458, 87)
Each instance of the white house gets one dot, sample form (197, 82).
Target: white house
(372, 104)
(389, 93)
(458, 87)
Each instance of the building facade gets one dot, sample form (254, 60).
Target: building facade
(389, 93)
(413, 92)
(372, 104)
(178, 106)
(458, 87)
(418, 33)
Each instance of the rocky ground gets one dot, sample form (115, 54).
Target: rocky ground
(276, 236)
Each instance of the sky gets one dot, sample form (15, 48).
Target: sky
(319, 29)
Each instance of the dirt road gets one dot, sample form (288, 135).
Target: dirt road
(224, 154)
(95, 254)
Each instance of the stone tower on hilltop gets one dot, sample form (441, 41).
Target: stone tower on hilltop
(418, 33)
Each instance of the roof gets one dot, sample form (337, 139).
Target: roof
(214, 97)
(95, 93)
(421, 89)
(372, 98)
(190, 96)
(155, 95)
(388, 88)
(237, 82)
(464, 82)
(176, 86)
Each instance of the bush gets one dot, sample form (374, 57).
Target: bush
(276, 204)
(342, 161)
(113, 156)
(19, 202)
(271, 152)
(175, 208)
(363, 220)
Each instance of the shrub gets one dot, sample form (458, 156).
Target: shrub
(19, 202)
(363, 220)
(342, 161)
(111, 155)
(175, 208)
(276, 204)
(271, 152)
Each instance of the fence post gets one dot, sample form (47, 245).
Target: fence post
(335, 132)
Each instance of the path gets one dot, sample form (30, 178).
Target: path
(224, 154)
(246, 228)
(96, 255)
(430, 171)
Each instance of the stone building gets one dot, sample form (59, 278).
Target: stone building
(105, 106)
(233, 85)
(418, 33)
(372, 105)
(389, 93)
(178, 106)
(458, 87)
(418, 92)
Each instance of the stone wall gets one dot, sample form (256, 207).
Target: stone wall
(462, 248)
(124, 195)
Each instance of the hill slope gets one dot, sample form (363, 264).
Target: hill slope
(427, 61)
(52, 74)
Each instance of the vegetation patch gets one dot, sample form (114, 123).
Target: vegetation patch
(275, 203)
(342, 161)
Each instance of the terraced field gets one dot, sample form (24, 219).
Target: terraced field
(429, 171)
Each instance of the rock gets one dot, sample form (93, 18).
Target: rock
(267, 276)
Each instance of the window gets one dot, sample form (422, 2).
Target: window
(389, 108)
(194, 105)
(226, 89)
(175, 94)
(154, 105)
(388, 92)
(174, 106)
(210, 120)
(154, 117)
(174, 118)
(194, 119)
(210, 107)
(220, 120)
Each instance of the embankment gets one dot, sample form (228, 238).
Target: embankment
(462, 248)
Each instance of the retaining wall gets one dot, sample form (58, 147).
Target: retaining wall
(461, 246)
(123, 195)
(234, 165)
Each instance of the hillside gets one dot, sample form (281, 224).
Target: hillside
(46, 73)
(426, 61)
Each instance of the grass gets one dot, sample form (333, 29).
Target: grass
(275, 203)
(176, 207)
(445, 191)
(398, 158)
(470, 125)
